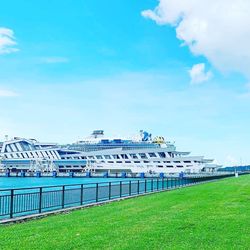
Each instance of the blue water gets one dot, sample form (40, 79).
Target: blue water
(24, 182)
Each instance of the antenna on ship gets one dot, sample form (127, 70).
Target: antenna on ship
(6, 137)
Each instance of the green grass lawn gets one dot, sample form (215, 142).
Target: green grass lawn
(208, 216)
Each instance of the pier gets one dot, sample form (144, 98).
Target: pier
(22, 203)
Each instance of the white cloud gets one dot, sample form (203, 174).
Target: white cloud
(7, 93)
(216, 29)
(54, 60)
(198, 74)
(7, 41)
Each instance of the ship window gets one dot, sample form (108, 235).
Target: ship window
(119, 162)
(98, 157)
(146, 161)
(157, 162)
(177, 162)
(22, 155)
(116, 157)
(61, 166)
(11, 155)
(124, 156)
(17, 155)
(143, 156)
(134, 156)
(187, 161)
(137, 161)
(83, 157)
(91, 157)
(110, 162)
(68, 166)
(162, 154)
(107, 156)
(170, 166)
(179, 166)
(152, 154)
(166, 161)
(104, 141)
(159, 166)
(127, 161)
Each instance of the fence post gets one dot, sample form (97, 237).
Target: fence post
(152, 185)
(120, 189)
(109, 190)
(81, 194)
(63, 193)
(162, 186)
(138, 187)
(167, 182)
(11, 202)
(129, 188)
(157, 184)
(40, 199)
(97, 187)
(145, 186)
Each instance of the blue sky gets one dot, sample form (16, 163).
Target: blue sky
(87, 64)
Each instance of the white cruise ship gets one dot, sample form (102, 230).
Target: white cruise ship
(99, 154)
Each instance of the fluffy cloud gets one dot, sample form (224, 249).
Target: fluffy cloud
(198, 74)
(216, 29)
(7, 41)
(7, 93)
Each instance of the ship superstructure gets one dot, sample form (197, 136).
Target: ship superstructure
(97, 141)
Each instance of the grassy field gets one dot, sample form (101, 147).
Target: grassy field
(209, 216)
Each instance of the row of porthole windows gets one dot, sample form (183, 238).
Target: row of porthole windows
(139, 162)
(122, 156)
(69, 166)
(31, 155)
(76, 158)
(132, 156)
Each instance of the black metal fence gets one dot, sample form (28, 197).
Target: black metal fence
(27, 201)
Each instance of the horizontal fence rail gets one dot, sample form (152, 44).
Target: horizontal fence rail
(36, 200)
